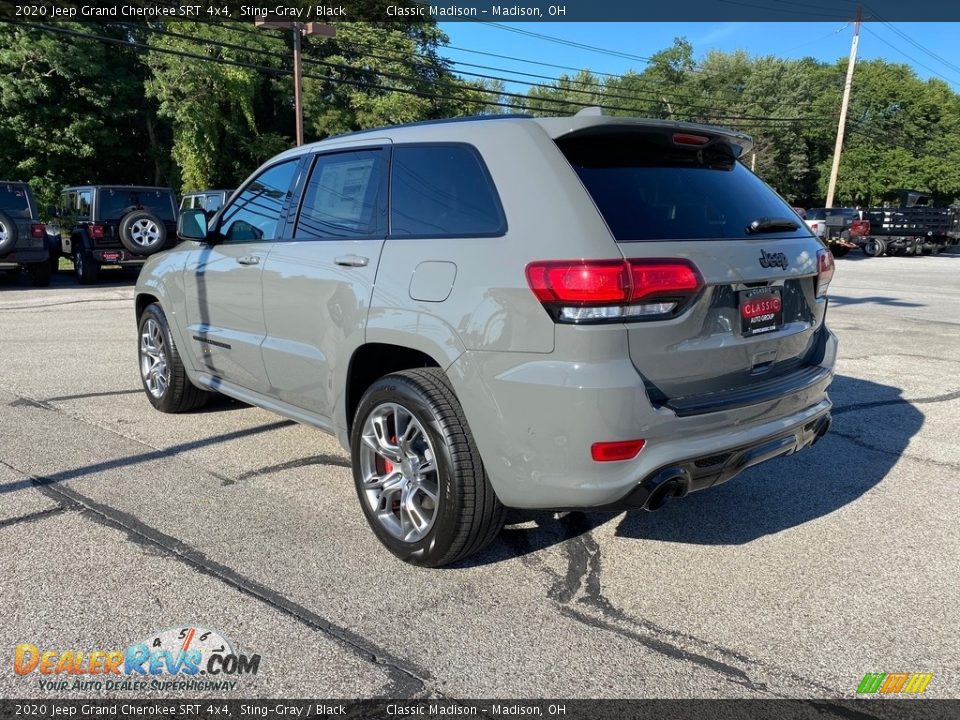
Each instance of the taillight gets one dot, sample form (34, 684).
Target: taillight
(38, 230)
(616, 451)
(97, 232)
(591, 291)
(689, 139)
(815, 226)
(824, 271)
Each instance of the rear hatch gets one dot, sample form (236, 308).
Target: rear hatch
(754, 321)
(115, 203)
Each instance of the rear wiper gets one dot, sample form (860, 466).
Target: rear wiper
(765, 225)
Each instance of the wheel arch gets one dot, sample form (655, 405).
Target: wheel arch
(370, 362)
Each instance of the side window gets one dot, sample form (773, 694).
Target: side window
(68, 202)
(442, 190)
(342, 198)
(83, 204)
(212, 203)
(254, 215)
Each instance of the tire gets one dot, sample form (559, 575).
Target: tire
(465, 512)
(839, 251)
(874, 247)
(162, 374)
(40, 274)
(8, 233)
(142, 232)
(85, 267)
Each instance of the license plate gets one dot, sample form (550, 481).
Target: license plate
(110, 256)
(761, 310)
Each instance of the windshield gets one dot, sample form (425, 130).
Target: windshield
(14, 201)
(117, 202)
(647, 188)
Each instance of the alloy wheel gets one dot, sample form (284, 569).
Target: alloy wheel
(144, 232)
(401, 482)
(154, 367)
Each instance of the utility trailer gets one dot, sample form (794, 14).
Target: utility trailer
(914, 228)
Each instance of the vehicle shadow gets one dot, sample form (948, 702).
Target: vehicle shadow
(764, 500)
(109, 278)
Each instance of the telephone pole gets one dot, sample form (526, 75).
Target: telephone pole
(299, 31)
(838, 148)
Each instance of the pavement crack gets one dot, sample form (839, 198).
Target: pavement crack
(946, 397)
(405, 679)
(583, 584)
(32, 517)
(892, 453)
(290, 465)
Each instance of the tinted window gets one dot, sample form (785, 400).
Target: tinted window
(342, 197)
(818, 214)
(442, 190)
(83, 203)
(212, 203)
(14, 201)
(647, 188)
(254, 215)
(114, 203)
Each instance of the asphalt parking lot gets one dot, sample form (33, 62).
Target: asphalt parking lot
(792, 580)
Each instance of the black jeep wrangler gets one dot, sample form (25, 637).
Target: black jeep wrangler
(115, 225)
(23, 237)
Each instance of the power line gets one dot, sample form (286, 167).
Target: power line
(909, 57)
(498, 93)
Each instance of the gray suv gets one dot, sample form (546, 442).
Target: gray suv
(553, 313)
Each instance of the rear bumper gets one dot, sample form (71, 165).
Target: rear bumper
(117, 256)
(534, 418)
(24, 256)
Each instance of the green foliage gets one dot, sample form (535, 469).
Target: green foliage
(198, 105)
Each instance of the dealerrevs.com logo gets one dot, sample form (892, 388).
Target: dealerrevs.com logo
(184, 658)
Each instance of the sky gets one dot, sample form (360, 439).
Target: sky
(930, 48)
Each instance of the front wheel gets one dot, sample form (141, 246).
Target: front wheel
(418, 473)
(162, 373)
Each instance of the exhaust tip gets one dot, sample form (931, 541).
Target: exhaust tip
(822, 429)
(671, 487)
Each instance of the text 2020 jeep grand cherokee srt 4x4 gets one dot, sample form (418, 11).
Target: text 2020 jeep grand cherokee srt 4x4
(22, 235)
(585, 312)
(114, 225)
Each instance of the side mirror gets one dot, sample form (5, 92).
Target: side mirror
(192, 225)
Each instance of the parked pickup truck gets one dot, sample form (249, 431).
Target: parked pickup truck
(836, 227)
(915, 227)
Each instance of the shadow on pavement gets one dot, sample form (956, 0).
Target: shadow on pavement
(842, 300)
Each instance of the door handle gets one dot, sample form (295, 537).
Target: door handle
(352, 261)
(249, 260)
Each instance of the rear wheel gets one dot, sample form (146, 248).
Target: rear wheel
(162, 373)
(418, 473)
(85, 267)
(874, 247)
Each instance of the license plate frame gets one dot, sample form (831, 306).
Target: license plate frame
(760, 310)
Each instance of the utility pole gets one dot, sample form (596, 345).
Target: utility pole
(838, 148)
(299, 31)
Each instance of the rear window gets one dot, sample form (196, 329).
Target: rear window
(14, 201)
(646, 188)
(442, 191)
(117, 202)
(818, 214)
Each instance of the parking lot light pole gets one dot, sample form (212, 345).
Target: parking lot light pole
(299, 30)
